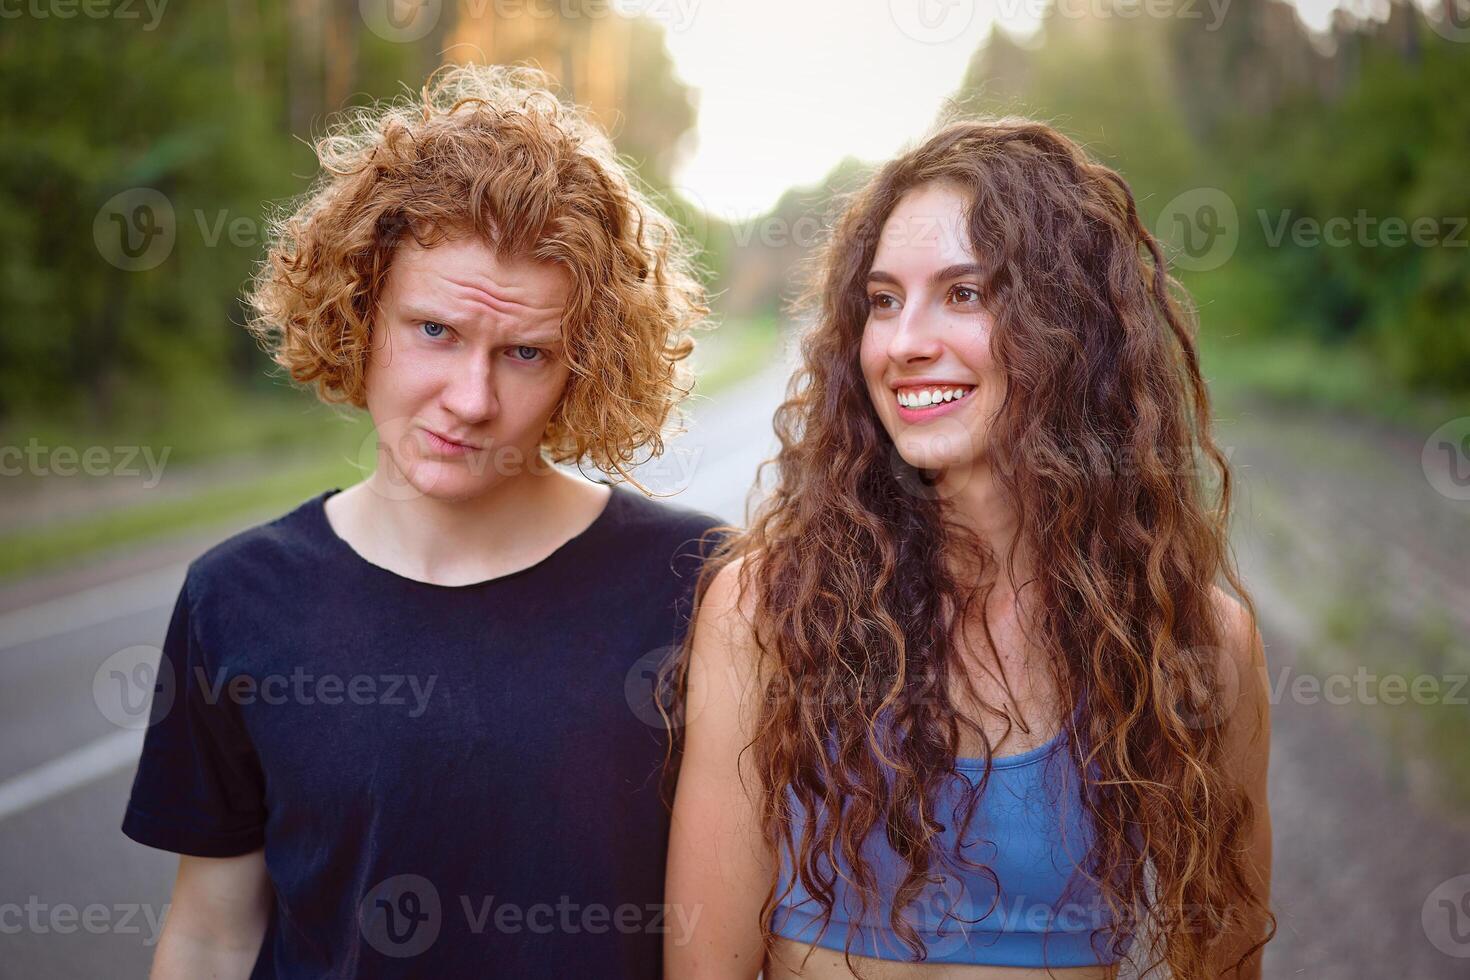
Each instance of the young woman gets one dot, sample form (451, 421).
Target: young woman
(967, 700)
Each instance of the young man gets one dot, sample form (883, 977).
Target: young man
(407, 729)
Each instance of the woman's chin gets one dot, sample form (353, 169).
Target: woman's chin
(937, 454)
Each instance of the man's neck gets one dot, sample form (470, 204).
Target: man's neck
(511, 526)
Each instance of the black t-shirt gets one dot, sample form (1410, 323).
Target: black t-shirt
(448, 781)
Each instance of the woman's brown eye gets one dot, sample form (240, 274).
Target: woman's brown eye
(964, 294)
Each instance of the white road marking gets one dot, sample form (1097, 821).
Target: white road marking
(103, 757)
(91, 607)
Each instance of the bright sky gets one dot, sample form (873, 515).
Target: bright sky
(787, 88)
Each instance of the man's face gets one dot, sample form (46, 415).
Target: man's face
(466, 369)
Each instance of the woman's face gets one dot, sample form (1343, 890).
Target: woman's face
(926, 344)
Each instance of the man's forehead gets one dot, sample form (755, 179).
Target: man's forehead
(474, 278)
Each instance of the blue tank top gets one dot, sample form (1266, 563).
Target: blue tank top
(1028, 827)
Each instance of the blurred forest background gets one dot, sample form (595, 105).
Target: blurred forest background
(142, 156)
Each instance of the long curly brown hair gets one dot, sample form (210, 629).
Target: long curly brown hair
(1122, 498)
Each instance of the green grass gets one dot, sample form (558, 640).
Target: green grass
(1298, 372)
(737, 350)
(29, 550)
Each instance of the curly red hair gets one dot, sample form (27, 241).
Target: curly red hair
(489, 151)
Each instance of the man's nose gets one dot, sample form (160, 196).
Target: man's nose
(470, 391)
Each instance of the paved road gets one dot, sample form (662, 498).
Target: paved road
(79, 900)
(1356, 861)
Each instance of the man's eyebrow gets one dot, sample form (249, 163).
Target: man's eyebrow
(957, 271)
(417, 310)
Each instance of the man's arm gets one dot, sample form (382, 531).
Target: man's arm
(216, 919)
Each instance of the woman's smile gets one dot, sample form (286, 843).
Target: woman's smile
(919, 403)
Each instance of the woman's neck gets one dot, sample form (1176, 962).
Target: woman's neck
(974, 499)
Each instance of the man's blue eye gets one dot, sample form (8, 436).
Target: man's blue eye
(534, 352)
(434, 330)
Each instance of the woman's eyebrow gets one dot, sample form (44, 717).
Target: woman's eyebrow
(958, 271)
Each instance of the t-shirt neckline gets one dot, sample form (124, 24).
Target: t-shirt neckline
(339, 544)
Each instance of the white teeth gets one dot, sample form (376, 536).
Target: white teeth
(924, 397)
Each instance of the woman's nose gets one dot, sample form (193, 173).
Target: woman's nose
(914, 338)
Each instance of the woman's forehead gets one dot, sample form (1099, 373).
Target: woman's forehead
(926, 228)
